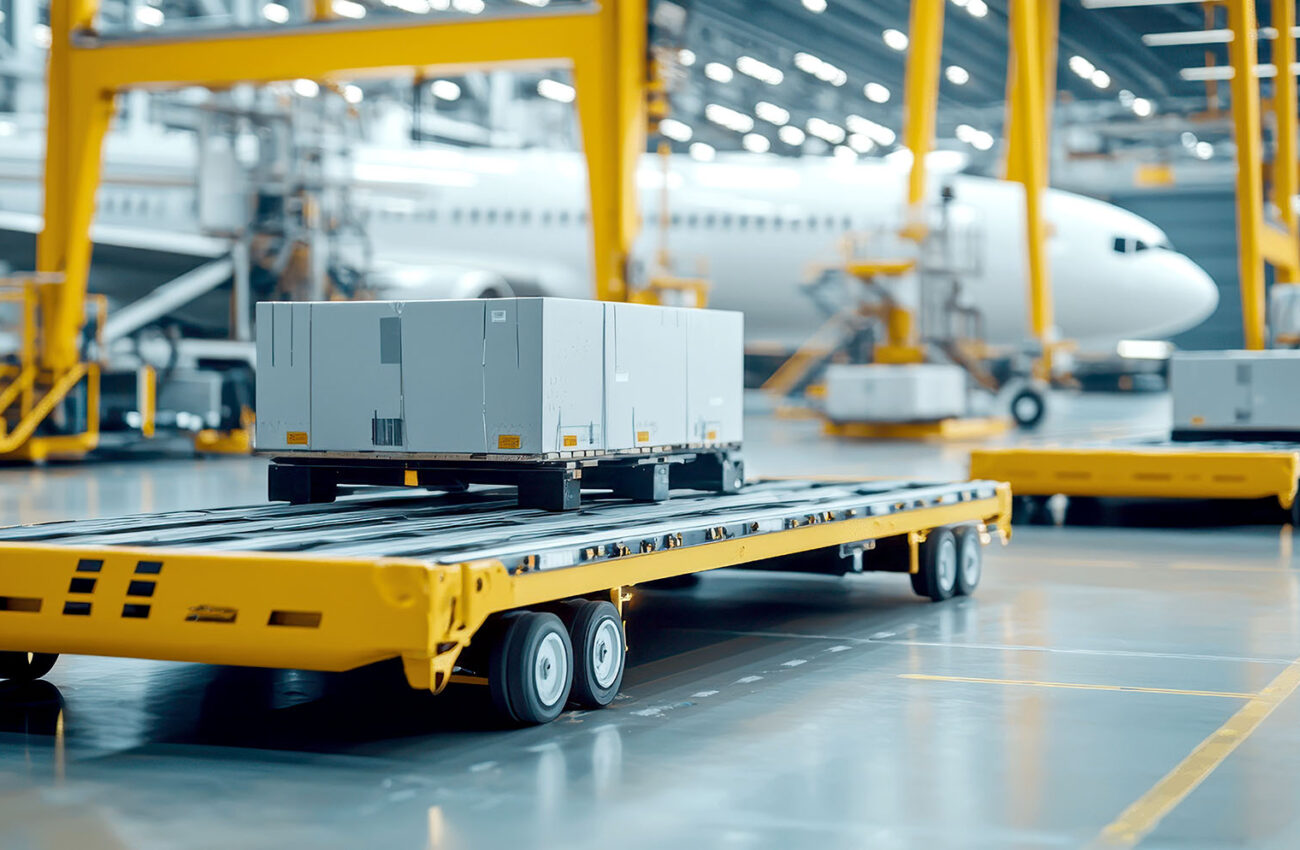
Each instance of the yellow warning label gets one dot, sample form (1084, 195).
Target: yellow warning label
(712, 435)
(570, 440)
(508, 441)
(643, 436)
(411, 478)
(296, 438)
(1198, 420)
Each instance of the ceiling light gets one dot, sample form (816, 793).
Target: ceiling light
(1204, 150)
(42, 36)
(148, 16)
(845, 153)
(275, 13)
(791, 135)
(756, 143)
(823, 129)
(1100, 79)
(759, 70)
(772, 113)
(671, 128)
(1189, 140)
(702, 152)
(1081, 66)
(718, 72)
(1142, 107)
(821, 69)
(353, 94)
(982, 140)
(817, 6)
(965, 133)
(415, 7)
(306, 88)
(686, 57)
(725, 116)
(537, 3)
(861, 143)
(878, 133)
(876, 93)
(348, 9)
(445, 90)
(556, 90)
(977, 8)
(957, 75)
(897, 39)
(474, 7)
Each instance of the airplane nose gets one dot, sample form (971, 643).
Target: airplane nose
(1198, 293)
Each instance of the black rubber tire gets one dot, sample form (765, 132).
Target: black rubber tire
(1037, 407)
(681, 582)
(512, 670)
(26, 666)
(590, 638)
(968, 571)
(937, 577)
(498, 667)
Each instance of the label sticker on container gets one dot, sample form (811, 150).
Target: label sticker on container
(498, 315)
(296, 438)
(643, 436)
(711, 435)
(1198, 420)
(570, 440)
(508, 441)
(620, 377)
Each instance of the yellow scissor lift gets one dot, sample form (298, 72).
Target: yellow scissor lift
(1166, 469)
(461, 587)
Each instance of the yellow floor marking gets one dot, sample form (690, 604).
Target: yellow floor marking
(1231, 568)
(1082, 686)
(1137, 821)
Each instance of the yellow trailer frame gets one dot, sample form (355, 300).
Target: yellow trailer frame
(269, 609)
(1165, 471)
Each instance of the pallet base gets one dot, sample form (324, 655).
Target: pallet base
(942, 429)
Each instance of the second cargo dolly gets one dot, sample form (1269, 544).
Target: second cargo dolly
(462, 586)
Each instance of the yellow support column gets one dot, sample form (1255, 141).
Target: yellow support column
(921, 101)
(1243, 54)
(1286, 169)
(77, 119)
(1030, 127)
(1049, 23)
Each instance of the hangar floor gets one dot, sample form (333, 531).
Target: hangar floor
(1105, 686)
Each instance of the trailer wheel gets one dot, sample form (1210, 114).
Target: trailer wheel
(937, 576)
(531, 669)
(970, 560)
(25, 666)
(596, 630)
(1028, 407)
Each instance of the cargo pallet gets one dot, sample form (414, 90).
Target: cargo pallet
(1147, 469)
(461, 587)
(548, 482)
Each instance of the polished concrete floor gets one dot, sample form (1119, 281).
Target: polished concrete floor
(1105, 687)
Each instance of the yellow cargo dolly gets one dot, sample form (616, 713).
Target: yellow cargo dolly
(1148, 469)
(460, 586)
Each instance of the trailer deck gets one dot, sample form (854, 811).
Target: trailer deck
(417, 576)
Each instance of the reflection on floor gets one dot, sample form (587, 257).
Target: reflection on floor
(758, 711)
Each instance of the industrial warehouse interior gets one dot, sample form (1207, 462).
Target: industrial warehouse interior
(649, 423)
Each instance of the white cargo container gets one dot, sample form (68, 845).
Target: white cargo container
(879, 392)
(1244, 394)
(511, 379)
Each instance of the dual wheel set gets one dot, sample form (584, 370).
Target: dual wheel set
(951, 561)
(541, 661)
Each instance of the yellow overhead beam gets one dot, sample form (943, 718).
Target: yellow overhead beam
(603, 44)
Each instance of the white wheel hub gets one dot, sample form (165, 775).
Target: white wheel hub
(550, 669)
(970, 565)
(946, 564)
(606, 652)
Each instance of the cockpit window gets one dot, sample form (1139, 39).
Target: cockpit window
(1129, 245)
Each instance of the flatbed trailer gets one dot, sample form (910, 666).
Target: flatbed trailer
(1148, 469)
(459, 586)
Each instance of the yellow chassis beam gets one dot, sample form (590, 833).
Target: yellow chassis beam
(942, 429)
(288, 611)
(1134, 473)
(604, 44)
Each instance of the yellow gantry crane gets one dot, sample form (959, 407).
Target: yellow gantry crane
(603, 44)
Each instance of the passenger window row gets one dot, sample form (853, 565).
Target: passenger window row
(564, 218)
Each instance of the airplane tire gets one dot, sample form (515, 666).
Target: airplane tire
(1028, 407)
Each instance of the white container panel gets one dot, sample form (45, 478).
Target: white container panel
(715, 376)
(573, 374)
(283, 376)
(645, 376)
(356, 365)
(442, 377)
(512, 375)
(1236, 390)
(876, 392)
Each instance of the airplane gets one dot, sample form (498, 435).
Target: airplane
(454, 222)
